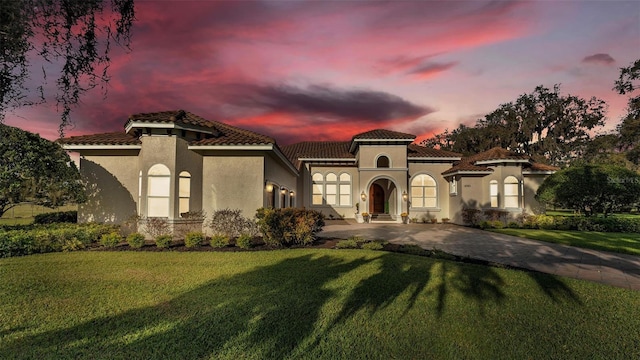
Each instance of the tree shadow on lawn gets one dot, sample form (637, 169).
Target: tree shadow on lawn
(274, 311)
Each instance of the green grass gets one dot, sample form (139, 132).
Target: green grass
(305, 303)
(23, 214)
(625, 243)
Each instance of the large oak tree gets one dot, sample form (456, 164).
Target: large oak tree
(68, 39)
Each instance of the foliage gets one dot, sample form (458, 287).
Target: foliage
(580, 223)
(56, 217)
(347, 244)
(190, 222)
(244, 241)
(76, 35)
(549, 126)
(231, 223)
(36, 170)
(629, 128)
(194, 239)
(157, 227)
(111, 240)
(163, 241)
(471, 216)
(219, 241)
(33, 239)
(591, 189)
(372, 245)
(135, 240)
(289, 225)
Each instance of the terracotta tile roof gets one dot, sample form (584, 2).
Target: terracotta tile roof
(112, 138)
(174, 116)
(231, 135)
(542, 167)
(317, 150)
(382, 134)
(470, 163)
(418, 151)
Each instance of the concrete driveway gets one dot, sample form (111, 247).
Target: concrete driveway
(605, 267)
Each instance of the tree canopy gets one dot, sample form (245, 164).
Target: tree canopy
(629, 128)
(36, 170)
(549, 126)
(70, 39)
(591, 189)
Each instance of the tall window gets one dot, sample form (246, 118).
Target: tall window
(158, 191)
(331, 189)
(382, 162)
(318, 189)
(453, 186)
(283, 197)
(424, 191)
(511, 192)
(184, 191)
(345, 189)
(493, 193)
(140, 193)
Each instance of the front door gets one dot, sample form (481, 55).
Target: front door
(376, 202)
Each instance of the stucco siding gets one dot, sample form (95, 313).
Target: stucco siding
(368, 154)
(280, 176)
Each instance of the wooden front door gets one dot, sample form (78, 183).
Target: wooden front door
(376, 199)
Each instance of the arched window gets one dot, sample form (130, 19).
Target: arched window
(331, 189)
(318, 189)
(382, 162)
(283, 197)
(158, 191)
(184, 191)
(424, 192)
(511, 198)
(493, 193)
(345, 189)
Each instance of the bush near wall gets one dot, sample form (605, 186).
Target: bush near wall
(578, 223)
(35, 239)
(56, 217)
(289, 226)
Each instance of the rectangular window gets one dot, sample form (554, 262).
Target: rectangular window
(417, 196)
(453, 187)
(493, 193)
(317, 194)
(511, 195)
(332, 192)
(345, 194)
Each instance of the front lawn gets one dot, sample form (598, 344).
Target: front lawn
(626, 243)
(304, 303)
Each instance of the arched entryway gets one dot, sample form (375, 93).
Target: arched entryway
(383, 197)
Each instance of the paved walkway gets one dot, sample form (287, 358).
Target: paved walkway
(600, 266)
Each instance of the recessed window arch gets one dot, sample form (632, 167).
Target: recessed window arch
(331, 189)
(511, 192)
(424, 191)
(317, 189)
(344, 189)
(158, 191)
(493, 193)
(184, 191)
(383, 161)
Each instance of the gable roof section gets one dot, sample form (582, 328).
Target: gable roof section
(111, 140)
(421, 152)
(383, 134)
(476, 164)
(318, 150)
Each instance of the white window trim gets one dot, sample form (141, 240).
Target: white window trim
(423, 192)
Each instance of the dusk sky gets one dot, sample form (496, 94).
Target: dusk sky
(311, 70)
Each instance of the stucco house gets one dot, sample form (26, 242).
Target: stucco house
(165, 164)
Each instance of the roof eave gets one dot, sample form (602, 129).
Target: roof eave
(497, 161)
(467, 172)
(75, 147)
(434, 158)
(167, 125)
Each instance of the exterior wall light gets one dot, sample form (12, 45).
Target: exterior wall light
(269, 187)
(283, 190)
(405, 196)
(291, 193)
(363, 196)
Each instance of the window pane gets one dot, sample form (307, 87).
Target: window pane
(416, 202)
(345, 177)
(159, 186)
(317, 189)
(158, 207)
(416, 191)
(510, 189)
(430, 202)
(428, 180)
(332, 189)
(332, 177)
(493, 189)
(494, 201)
(184, 205)
(331, 199)
(317, 199)
(345, 189)
(511, 201)
(417, 181)
(430, 192)
(317, 177)
(345, 199)
(185, 187)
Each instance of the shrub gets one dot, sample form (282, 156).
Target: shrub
(227, 222)
(471, 216)
(219, 241)
(289, 225)
(135, 240)
(372, 245)
(496, 224)
(157, 227)
(110, 240)
(189, 222)
(346, 244)
(194, 239)
(513, 225)
(163, 241)
(56, 217)
(244, 241)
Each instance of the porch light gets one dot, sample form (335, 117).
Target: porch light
(363, 196)
(269, 187)
(405, 197)
(283, 190)
(291, 193)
